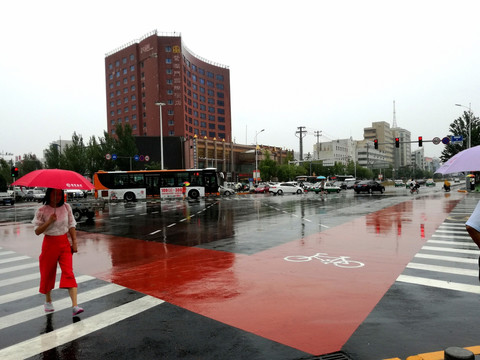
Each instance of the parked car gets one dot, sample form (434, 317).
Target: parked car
(74, 194)
(6, 199)
(262, 188)
(225, 191)
(399, 183)
(368, 186)
(457, 180)
(34, 195)
(350, 183)
(430, 182)
(280, 189)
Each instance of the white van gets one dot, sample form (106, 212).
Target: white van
(350, 182)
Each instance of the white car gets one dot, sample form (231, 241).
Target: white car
(285, 188)
(225, 191)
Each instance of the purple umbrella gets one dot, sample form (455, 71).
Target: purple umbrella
(464, 161)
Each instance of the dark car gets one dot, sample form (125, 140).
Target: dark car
(368, 186)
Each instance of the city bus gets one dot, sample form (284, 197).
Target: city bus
(163, 184)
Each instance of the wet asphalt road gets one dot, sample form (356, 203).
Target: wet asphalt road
(409, 318)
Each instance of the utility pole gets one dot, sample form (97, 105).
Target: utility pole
(318, 134)
(301, 134)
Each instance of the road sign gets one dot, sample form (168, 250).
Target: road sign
(141, 158)
(114, 156)
(108, 156)
(147, 158)
(456, 138)
(445, 140)
(436, 140)
(136, 157)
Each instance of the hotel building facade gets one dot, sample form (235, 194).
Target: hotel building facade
(161, 69)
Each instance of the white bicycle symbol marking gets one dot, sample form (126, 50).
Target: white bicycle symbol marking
(340, 261)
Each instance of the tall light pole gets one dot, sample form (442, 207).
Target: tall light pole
(469, 107)
(160, 104)
(256, 156)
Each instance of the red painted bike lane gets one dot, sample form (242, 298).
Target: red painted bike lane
(311, 306)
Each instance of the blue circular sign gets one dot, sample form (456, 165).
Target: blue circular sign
(136, 157)
(114, 156)
(446, 140)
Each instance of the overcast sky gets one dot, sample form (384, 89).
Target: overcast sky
(330, 66)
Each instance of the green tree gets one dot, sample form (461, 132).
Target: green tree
(53, 157)
(29, 164)
(268, 167)
(125, 147)
(461, 126)
(76, 155)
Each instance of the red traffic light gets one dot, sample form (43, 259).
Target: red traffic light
(420, 141)
(397, 142)
(375, 142)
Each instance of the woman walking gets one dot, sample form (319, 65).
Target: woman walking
(55, 220)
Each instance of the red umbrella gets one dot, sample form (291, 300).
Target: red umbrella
(55, 178)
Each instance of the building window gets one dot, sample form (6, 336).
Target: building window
(221, 111)
(168, 61)
(171, 122)
(211, 126)
(201, 71)
(220, 103)
(210, 83)
(203, 124)
(211, 117)
(211, 134)
(220, 95)
(221, 119)
(210, 74)
(221, 127)
(169, 71)
(219, 77)
(211, 109)
(132, 57)
(211, 92)
(134, 127)
(219, 86)
(171, 133)
(168, 49)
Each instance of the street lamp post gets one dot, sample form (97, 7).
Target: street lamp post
(469, 107)
(160, 104)
(256, 156)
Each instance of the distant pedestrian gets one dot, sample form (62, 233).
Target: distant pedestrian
(55, 220)
(473, 229)
(184, 191)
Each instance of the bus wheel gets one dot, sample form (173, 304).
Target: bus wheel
(129, 196)
(194, 194)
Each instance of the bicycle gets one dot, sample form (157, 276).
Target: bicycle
(340, 261)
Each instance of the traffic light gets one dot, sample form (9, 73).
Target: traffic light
(375, 142)
(397, 142)
(14, 171)
(420, 141)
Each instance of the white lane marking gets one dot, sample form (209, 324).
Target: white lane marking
(76, 330)
(129, 215)
(443, 269)
(458, 251)
(2, 253)
(155, 232)
(453, 243)
(115, 218)
(442, 284)
(18, 267)
(65, 303)
(22, 294)
(17, 258)
(447, 258)
(171, 225)
(451, 236)
(19, 279)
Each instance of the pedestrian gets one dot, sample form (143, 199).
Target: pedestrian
(473, 229)
(184, 191)
(55, 220)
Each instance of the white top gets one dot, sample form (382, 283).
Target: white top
(474, 219)
(64, 222)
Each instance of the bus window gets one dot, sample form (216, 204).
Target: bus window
(136, 180)
(196, 179)
(182, 177)
(167, 180)
(120, 181)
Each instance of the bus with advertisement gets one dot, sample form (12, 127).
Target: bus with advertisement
(160, 184)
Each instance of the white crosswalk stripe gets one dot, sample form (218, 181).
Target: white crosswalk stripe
(449, 259)
(16, 273)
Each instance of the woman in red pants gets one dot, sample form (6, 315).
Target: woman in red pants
(55, 220)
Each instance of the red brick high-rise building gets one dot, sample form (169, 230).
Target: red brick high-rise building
(160, 68)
